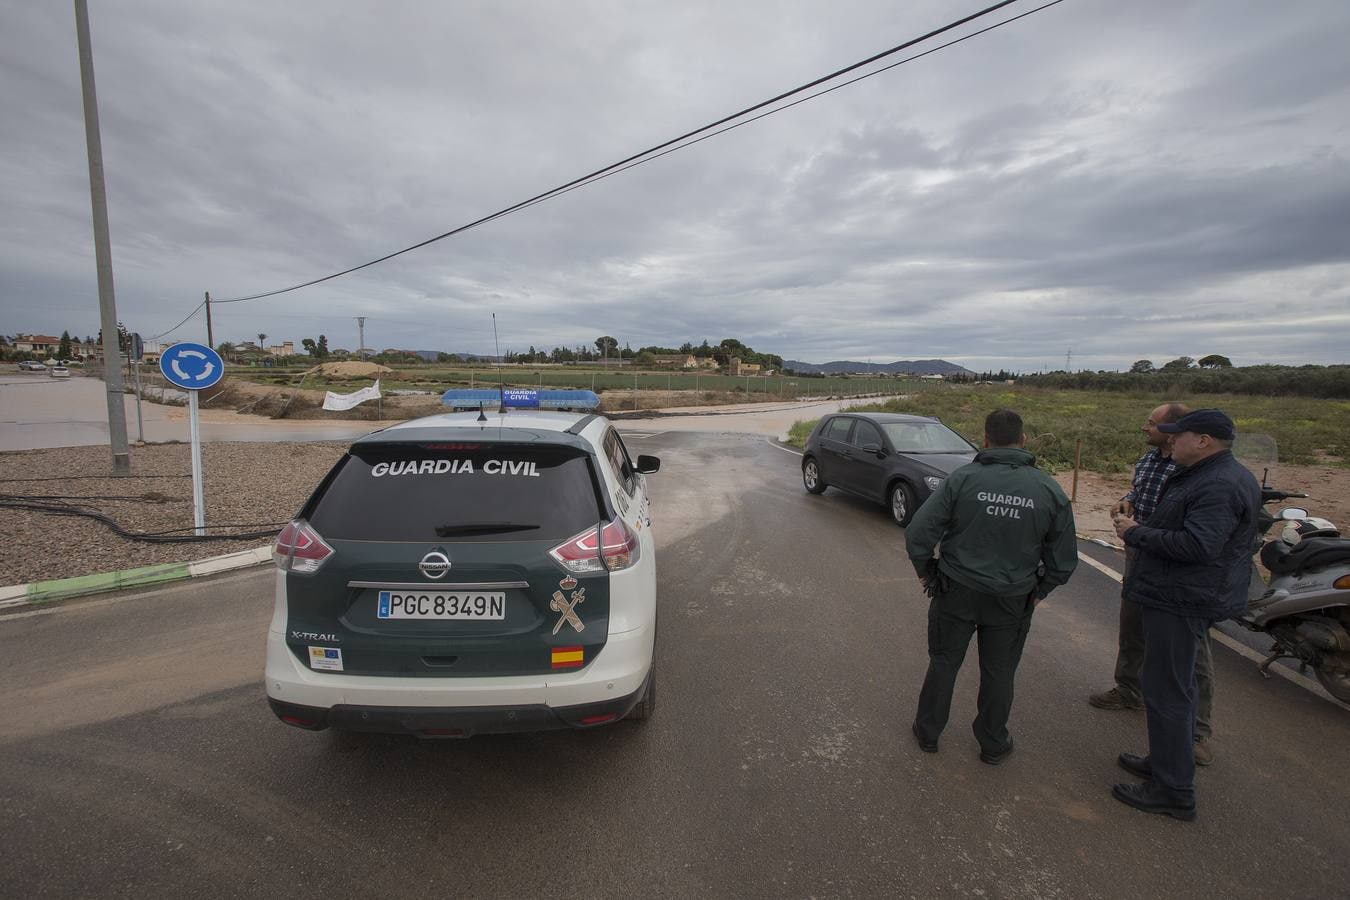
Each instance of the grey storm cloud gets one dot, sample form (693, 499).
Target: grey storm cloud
(1140, 181)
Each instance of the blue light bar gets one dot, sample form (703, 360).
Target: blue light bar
(519, 398)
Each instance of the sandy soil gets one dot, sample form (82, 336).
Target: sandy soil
(355, 369)
(1328, 496)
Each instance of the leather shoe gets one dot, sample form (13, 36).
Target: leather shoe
(1135, 765)
(925, 746)
(997, 759)
(1203, 755)
(1151, 798)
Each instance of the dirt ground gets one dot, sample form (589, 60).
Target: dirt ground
(1328, 492)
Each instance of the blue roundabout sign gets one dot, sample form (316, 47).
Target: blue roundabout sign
(193, 367)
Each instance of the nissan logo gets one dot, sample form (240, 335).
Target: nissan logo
(434, 565)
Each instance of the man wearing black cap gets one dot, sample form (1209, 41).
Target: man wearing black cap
(1192, 568)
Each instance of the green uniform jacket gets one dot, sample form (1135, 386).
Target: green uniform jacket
(1005, 527)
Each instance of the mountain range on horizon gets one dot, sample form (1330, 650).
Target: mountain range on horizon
(899, 367)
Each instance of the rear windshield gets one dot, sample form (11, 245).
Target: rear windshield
(925, 437)
(461, 492)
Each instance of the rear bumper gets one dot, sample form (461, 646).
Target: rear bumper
(456, 722)
(613, 680)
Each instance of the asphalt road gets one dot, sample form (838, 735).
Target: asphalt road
(138, 756)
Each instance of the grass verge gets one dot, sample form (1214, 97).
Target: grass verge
(1307, 431)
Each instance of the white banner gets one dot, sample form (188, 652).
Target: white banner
(347, 401)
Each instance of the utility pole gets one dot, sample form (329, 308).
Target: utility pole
(361, 336)
(1068, 356)
(112, 363)
(210, 337)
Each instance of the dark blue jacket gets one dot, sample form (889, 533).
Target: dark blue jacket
(1195, 552)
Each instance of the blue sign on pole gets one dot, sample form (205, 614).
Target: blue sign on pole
(192, 367)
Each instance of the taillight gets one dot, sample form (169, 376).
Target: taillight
(300, 549)
(579, 554)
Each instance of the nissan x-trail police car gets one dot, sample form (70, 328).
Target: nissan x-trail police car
(471, 572)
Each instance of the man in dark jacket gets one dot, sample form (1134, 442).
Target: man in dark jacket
(1150, 473)
(1192, 568)
(1007, 537)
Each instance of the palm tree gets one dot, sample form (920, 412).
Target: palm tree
(262, 342)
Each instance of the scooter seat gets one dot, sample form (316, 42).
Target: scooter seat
(1312, 553)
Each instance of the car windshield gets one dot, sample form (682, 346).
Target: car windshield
(925, 437)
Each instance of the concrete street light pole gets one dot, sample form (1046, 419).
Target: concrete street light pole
(112, 361)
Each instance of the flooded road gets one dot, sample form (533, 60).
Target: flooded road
(38, 411)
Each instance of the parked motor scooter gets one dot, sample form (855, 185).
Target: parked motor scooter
(1305, 606)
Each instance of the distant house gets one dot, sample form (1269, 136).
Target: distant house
(285, 348)
(736, 367)
(675, 361)
(36, 343)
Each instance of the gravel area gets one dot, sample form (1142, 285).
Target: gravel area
(255, 485)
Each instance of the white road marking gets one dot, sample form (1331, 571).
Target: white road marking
(1101, 567)
(781, 447)
(1238, 647)
(640, 435)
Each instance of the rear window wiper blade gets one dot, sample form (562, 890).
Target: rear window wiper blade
(483, 528)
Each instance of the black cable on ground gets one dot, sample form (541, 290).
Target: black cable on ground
(76, 477)
(161, 537)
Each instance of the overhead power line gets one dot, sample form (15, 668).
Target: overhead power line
(180, 324)
(671, 145)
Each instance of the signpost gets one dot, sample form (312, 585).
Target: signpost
(193, 367)
(137, 354)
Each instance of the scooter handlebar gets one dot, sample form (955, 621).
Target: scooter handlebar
(1269, 494)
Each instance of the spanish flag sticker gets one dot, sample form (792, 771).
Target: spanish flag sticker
(568, 657)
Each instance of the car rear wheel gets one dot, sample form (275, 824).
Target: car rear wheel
(811, 476)
(902, 503)
(647, 705)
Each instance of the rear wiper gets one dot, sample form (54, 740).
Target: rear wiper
(483, 528)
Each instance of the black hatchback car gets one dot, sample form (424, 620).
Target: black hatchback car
(897, 460)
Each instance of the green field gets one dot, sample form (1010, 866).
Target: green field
(1307, 431)
(433, 377)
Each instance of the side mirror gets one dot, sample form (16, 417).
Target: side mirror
(875, 450)
(648, 464)
(1290, 513)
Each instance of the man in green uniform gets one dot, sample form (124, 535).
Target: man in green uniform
(1007, 537)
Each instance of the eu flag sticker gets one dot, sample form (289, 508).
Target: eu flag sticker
(325, 659)
(383, 612)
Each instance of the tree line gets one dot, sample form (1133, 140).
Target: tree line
(1177, 378)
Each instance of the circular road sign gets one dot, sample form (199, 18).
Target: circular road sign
(191, 366)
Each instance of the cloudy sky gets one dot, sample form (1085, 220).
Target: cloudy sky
(1119, 181)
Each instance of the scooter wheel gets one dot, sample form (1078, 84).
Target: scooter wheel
(1334, 673)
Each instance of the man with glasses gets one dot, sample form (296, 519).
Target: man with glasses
(1192, 568)
(1150, 473)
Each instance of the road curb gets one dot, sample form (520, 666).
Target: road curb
(65, 588)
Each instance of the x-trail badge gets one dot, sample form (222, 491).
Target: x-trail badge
(434, 565)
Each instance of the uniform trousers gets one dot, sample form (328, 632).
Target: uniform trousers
(1002, 623)
(1171, 643)
(1130, 660)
